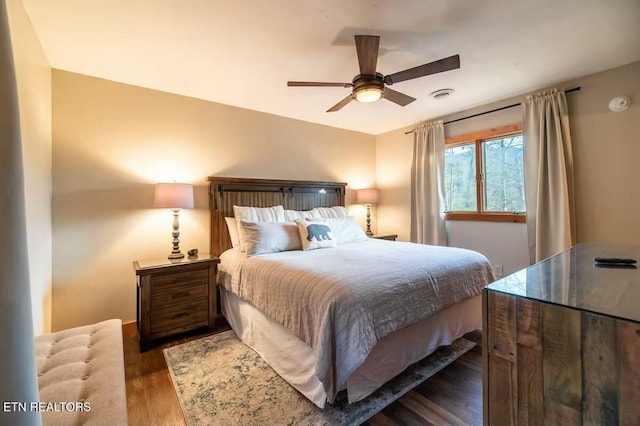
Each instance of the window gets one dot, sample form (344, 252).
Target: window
(484, 176)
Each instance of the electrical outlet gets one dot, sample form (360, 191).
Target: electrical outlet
(498, 270)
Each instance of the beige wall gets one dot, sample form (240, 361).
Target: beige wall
(112, 142)
(606, 148)
(606, 152)
(33, 77)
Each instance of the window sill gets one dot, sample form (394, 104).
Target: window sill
(488, 217)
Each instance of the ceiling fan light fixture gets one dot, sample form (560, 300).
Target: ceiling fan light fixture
(368, 94)
(368, 88)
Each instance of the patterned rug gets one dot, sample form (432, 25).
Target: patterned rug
(221, 381)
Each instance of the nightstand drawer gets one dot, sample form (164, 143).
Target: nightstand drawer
(391, 237)
(182, 316)
(179, 279)
(179, 294)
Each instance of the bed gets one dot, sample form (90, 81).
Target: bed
(346, 318)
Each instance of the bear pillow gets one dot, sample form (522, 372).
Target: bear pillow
(315, 234)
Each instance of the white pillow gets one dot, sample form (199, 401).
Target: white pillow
(257, 214)
(327, 212)
(347, 230)
(293, 215)
(315, 234)
(232, 227)
(269, 237)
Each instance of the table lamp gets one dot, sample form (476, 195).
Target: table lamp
(174, 196)
(368, 196)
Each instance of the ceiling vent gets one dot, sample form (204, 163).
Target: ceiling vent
(441, 94)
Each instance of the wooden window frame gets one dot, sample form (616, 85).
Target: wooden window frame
(478, 138)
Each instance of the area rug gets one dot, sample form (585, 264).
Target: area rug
(221, 381)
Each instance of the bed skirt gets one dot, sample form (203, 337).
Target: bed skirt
(294, 360)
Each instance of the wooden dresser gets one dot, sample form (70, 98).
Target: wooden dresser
(561, 342)
(175, 297)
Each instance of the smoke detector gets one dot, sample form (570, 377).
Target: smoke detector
(441, 94)
(619, 103)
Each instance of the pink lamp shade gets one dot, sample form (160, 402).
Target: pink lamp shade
(173, 196)
(368, 196)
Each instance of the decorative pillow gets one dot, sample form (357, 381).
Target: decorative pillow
(293, 215)
(327, 212)
(257, 214)
(232, 227)
(315, 234)
(269, 237)
(347, 230)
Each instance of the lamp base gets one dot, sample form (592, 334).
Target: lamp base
(368, 231)
(175, 252)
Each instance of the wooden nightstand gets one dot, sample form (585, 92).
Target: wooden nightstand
(174, 297)
(391, 237)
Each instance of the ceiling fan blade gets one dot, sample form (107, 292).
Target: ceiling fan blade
(397, 97)
(316, 84)
(446, 64)
(367, 50)
(340, 104)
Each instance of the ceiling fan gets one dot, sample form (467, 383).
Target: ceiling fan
(369, 85)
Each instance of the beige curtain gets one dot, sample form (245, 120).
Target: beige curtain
(548, 163)
(427, 185)
(18, 367)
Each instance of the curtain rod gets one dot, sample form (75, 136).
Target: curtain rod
(575, 89)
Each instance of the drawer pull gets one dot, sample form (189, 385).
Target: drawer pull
(180, 315)
(181, 294)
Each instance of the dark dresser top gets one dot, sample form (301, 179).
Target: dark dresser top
(570, 279)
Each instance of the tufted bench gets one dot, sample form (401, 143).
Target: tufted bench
(81, 375)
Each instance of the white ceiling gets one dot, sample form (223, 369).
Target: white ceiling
(243, 52)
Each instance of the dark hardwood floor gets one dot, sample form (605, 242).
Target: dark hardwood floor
(151, 399)
(453, 396)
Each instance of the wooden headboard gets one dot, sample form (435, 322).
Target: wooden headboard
(225, 192)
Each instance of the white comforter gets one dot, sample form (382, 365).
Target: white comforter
(341, 301)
